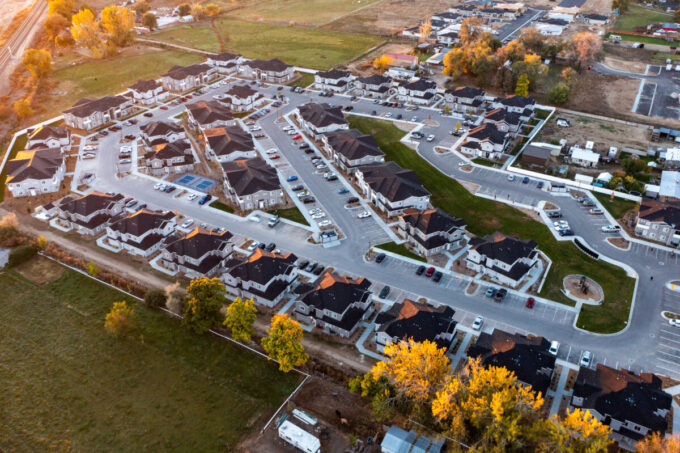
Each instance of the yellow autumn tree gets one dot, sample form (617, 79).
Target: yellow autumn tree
(120, 319)
(63, 8)
(579, 431)
(119, 23)
(22, 108)
(382, 62)
(241, 315)
(424, 30)
(212, 9)
(657, 443)
(38, 62)
(55, 24)
(283, 343)
(86, 31)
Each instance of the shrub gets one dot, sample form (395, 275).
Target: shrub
(21, 254)
(155, 298)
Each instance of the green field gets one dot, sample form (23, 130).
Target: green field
(314, 12)
(293, 214)
(400, 249)
(304, 81)
(637, 16)
(217, 204)
(485, 216)
(69, 385)
(110, 76)
(617, 207)
(298, 46)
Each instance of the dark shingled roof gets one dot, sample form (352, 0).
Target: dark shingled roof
(182, 72)
(416, 320)
(655, 211)
(623, 395)
(142, 221)
(392, 181)
(335, 293)
(487, 131)
(199, 242)
(226, 140)
(155, 128)
(248, 176)
(527, 357)
(375, 79)
(516, 101)
(164, 151)
(333, 74)
(420, 85)
(499, 115)
(90, 203)
(241, 91)
(321, 115)
(206, 112)
(262, 266)
(465, 92)
(224, 56)
(274, 65)
(432, 221)
(352, 144)
(37, 164)
(48, 132)
(144, 85)
(507, 249)
(87, 106)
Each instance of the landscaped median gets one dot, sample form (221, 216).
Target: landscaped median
(293, 214)
(400, 249)
(485, 216)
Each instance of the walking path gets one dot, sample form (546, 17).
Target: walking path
(560, 392)
(368, 329)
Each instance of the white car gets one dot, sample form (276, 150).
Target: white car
(611, 228)
(511, 177)
(272, 151)
(157, 186)
(254, 218)
(554, 348)
(325, 223)
(187, 224)
(414, 119)
(253, 245)
(192, 197)
(430, 138)
(388, 115)
(462, 163)
(586, 358)
(292, 132)
(477, 323)
(256, 128)
(318, 215)
(561, 225)
(314, 211)
(218, 96)
(89, 155)
(364, 214)
(125, 161)
(287, 128)
(674, 322)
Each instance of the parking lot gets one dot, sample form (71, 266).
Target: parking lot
(667, 356)
(656, 93)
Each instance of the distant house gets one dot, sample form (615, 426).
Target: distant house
(419, 92)
(504, 120)
(334, 303)
(147, 92)
(209, 115)
(252, 184)
(225, 63)
(536, 156)
(350, 149)
(464, 9)
(34, 172)
(485, 141)
(318, 119)
(89, 113)
(333, 80)
(156, 132)
(141, 233)
(465, 99)
(502, 258)
(659, 222)
(391, 188)
(397, 440)
(632, 405)
(242, 98)
(89, 214)
(229, 143)
(527, 357)
(416, 320)
(594, 19)
(517, 104)
(274, 70)
(401, 60)
(584, 157)
(168, 158)
(266, 277)
(375, 86)
(200, 253)
(447, 16)
(448, 38)
(180, 79)
(431, 231)
(49, 137)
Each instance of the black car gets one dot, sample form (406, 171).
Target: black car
(437, 276)
(374, 113)
(303, 264)
(308, 199)
(400, 116)
(319, 270)
(500, 294)
(384, 292)
(352, 200)
(420, 270)
(380, 258)
(297, 188)
(261, 245)
(271, 246)
(554, 214)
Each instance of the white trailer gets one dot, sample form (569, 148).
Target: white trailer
(299, 438)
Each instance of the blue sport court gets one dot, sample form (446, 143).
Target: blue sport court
(196, 182)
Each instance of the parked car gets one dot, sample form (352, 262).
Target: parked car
(554, 348)
(674, 322)
(437, 276)
(429, 272)
(253, 245)
(420, 270)
(380, 258)
(525, 180)
(271, 246)
(586, 358)
(490, 292)
(352, 200)
(596, 211)
(311, 267)
(204, 199)
(292, 178)
(275, 156)
(325, 223)
(148, 114)
(554, 214)
(297, 188)
(530, 302)
(500, 294)
(384, 292)
(297, 137)
(611, 228)
(511, 177)
(187, 224)
(430, 138)
(477, 323)
(343, 191)
(302, 264)
(364, 214)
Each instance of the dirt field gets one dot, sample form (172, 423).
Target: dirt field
(625, 65)
(364, 66)
(40, 270)
(597, 7)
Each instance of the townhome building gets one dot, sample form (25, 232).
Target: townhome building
(148, 92)
(318, 119)
(89, 214)
(594, 19)
(333, 80)
(504, 120)
(526, 356)
(201, 253)
(225, 144)
(431, 231)
(464, 99)
(464, 9)
(659, 222)
(517, 104)
(180, 79)
(374, 86)
(485, 141)
(415, 320)
(49, 137)
(266, 277)
(34, 172)
(504, 259)
(448, 38)
(142, 233)
(168, 158)
(632, 405)
(156, 132)
(90, 113)
(274, 70)
(225, 63)
(447, 16)
(252, 184)
(419, 92)
(242, 98)
(209, 115)
(333, 303)
(391, 188)
(350, 148)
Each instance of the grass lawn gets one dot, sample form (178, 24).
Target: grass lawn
(307, 47)
(648, 40)
(293, 214)
(300, 11)
(400, 250)
(485, 216)
(217, 204)
(637, 16)
(69, 385)
(110, 76)
(617, 207)
(485, 162)
(304, 81)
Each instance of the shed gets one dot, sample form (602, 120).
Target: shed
(536, 155)
(585, 179)
(397, 440)
(584, 157)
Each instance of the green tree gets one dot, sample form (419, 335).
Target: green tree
(559, 94)
(241, 315)
(522, 87)
(381, 393)
(615, 182)
(155, 298)
(202, 308)
(283, 343)
(184, 9)
(149, 20)
(120, 319)
(119, 23)
(38, 62)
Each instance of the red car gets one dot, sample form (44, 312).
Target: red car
(429, 272)
(275, 156)
(530, 302)
(164, 107)
(297, 137)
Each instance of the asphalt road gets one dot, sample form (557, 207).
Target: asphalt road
(634, 348)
